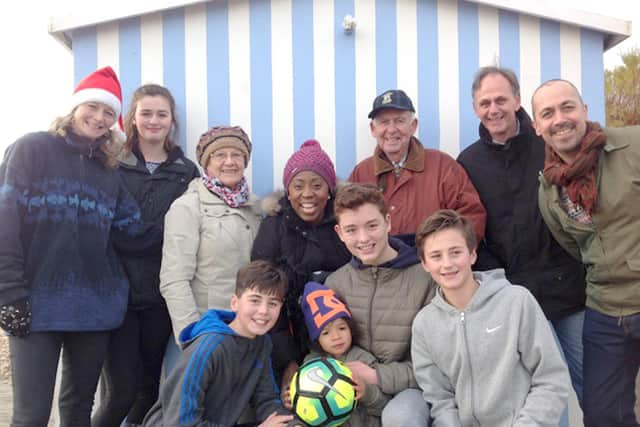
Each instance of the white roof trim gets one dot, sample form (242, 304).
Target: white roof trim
(616, 29)
(93, 13)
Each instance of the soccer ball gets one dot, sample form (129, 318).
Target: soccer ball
(322, 392)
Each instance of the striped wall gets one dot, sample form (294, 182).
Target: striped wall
(286, 71)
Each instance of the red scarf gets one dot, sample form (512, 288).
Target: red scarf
(578, 177)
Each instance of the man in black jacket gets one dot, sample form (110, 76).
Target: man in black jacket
(504, 165)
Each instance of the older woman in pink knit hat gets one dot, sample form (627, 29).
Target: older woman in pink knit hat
(298, 235)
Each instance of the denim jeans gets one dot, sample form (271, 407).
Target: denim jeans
(611, 362)
(407, 408)
(568, 335)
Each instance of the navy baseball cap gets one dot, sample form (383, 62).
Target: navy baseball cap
(392, 99)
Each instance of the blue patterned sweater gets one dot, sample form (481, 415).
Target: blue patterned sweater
(61, 214)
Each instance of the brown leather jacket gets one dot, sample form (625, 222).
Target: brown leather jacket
(430, 180)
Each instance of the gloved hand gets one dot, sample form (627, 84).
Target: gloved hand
(15, 318)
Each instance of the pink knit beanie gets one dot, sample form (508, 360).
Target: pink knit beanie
(310, 157)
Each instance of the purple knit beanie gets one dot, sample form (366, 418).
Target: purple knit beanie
(310, 157)
(320, 306)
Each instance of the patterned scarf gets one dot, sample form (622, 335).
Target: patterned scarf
(579, 177)
(235, 197)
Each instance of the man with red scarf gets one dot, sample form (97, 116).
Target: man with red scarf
(590, 198)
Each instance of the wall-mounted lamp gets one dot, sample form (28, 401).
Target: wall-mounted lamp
(349, 24)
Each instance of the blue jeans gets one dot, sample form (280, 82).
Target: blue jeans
(568, 333)
(407, 408)
(611, 362)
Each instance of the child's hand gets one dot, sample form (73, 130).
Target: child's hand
(275, 420)
(286, 398)
(360, 387)
(291, 369)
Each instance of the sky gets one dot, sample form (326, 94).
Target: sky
(37, 70)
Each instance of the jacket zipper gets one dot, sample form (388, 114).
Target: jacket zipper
(466, 348)
(374, 273)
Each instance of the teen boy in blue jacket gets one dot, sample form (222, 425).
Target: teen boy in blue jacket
(225, 364)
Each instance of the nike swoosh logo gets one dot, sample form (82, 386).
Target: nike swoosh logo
(316, 378)
(492, 330)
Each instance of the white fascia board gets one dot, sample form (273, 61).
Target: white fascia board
(94, 13)
(615, 29)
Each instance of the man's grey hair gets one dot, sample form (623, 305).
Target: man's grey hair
(504, 72)
(547, 83)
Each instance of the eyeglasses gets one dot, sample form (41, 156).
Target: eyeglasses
(220, 157)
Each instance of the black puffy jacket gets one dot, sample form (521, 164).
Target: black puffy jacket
(154, 194)
(305, 252)
(516, 237)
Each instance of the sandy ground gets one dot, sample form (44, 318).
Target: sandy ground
(5, 381)
(5, 368)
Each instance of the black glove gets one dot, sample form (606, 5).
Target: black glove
(15, 318)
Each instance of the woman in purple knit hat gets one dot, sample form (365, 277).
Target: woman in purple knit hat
(298, 236)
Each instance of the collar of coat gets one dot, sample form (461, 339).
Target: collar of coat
(414, 163)
(133, 158)
(525, 129)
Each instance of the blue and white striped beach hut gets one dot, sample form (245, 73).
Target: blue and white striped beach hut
(287, 70)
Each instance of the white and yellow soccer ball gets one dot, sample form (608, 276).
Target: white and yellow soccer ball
(322, 393)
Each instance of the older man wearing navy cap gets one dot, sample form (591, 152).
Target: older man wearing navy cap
(416, 181)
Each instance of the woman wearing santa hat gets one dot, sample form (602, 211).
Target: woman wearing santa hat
(156, 172)
(63, 208)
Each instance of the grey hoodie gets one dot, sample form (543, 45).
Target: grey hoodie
(494, 364)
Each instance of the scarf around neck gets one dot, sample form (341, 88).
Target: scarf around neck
(579, 177)
(235, 197)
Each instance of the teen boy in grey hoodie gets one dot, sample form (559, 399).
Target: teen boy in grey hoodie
(482, 352)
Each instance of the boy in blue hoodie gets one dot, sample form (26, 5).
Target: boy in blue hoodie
(225, 364)
(482, 351)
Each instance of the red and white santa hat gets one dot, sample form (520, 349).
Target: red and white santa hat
(101, 86)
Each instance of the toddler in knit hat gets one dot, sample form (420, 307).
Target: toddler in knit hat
(327, 320)
(330, 329)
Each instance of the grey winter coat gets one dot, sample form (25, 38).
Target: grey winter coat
(383, 301)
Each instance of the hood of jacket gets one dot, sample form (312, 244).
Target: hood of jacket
(277, 203)
(407, 256)
(491, 282)
(212, 321)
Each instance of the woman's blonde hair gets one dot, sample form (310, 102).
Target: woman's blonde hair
(111, 147)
